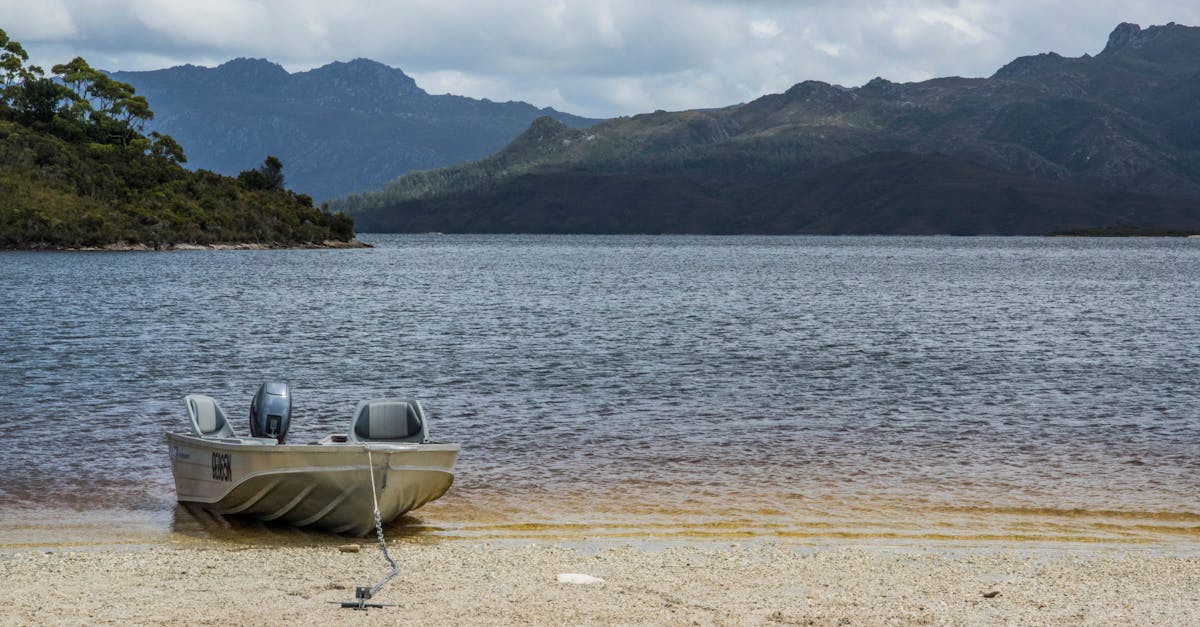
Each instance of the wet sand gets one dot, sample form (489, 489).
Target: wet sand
(462, 582)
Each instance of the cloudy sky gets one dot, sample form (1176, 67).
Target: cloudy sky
(591, 57)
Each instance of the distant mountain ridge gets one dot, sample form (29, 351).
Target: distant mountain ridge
(1096, 141)
(338, 128)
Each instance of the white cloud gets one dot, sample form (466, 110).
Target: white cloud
(765, 29)
(605, 57)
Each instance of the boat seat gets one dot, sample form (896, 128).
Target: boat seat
(388, 420)
(208, 421)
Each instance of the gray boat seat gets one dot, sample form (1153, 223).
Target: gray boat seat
(388, 420)
(208, 421)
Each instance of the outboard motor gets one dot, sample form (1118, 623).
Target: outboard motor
(271, 411)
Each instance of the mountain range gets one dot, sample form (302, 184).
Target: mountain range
(1047, 144)
(338, 129)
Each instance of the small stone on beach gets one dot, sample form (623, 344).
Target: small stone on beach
(579, 579)
(349, 548)
(991, 595)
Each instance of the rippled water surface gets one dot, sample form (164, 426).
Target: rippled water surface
(673, 386)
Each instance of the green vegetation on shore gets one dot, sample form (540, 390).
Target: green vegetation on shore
(77, 171)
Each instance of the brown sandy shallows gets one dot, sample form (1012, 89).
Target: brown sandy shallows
(481, 584)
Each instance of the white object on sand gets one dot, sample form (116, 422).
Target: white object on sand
(580, 579)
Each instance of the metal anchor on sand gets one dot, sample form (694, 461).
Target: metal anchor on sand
(363, 594)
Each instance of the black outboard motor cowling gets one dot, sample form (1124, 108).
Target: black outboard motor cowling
(271, 411)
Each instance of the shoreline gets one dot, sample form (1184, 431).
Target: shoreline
(356, 243)
(462, 582)
(457, 519)
(140, 247)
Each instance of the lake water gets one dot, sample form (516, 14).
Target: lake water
(1021, 389)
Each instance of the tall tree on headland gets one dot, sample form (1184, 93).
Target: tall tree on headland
(272, 171)
(13, 71)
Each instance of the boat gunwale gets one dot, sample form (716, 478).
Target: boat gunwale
(338, 447)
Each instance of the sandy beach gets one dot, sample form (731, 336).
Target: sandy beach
(717, 583)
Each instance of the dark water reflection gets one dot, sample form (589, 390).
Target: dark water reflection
(770, 384)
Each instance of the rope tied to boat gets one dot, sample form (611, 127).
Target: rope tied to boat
(362, 593)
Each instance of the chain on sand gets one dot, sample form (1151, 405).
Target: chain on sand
(383, 546)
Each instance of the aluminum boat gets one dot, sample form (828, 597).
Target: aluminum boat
(384, 459)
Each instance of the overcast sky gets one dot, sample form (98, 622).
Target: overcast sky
(591, 57)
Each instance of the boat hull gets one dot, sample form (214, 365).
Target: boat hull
(327, 486)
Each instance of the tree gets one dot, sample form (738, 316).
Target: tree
(77, 76)
(165, 147)
(37, 99)
(106, 93)
(12, 58)
(134, 111)
(114, 101)
(272, 171)
(111, 106)
(252, 179)
(268, 176)
(12, 69)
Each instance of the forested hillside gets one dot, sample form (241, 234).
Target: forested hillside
(76, 170)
